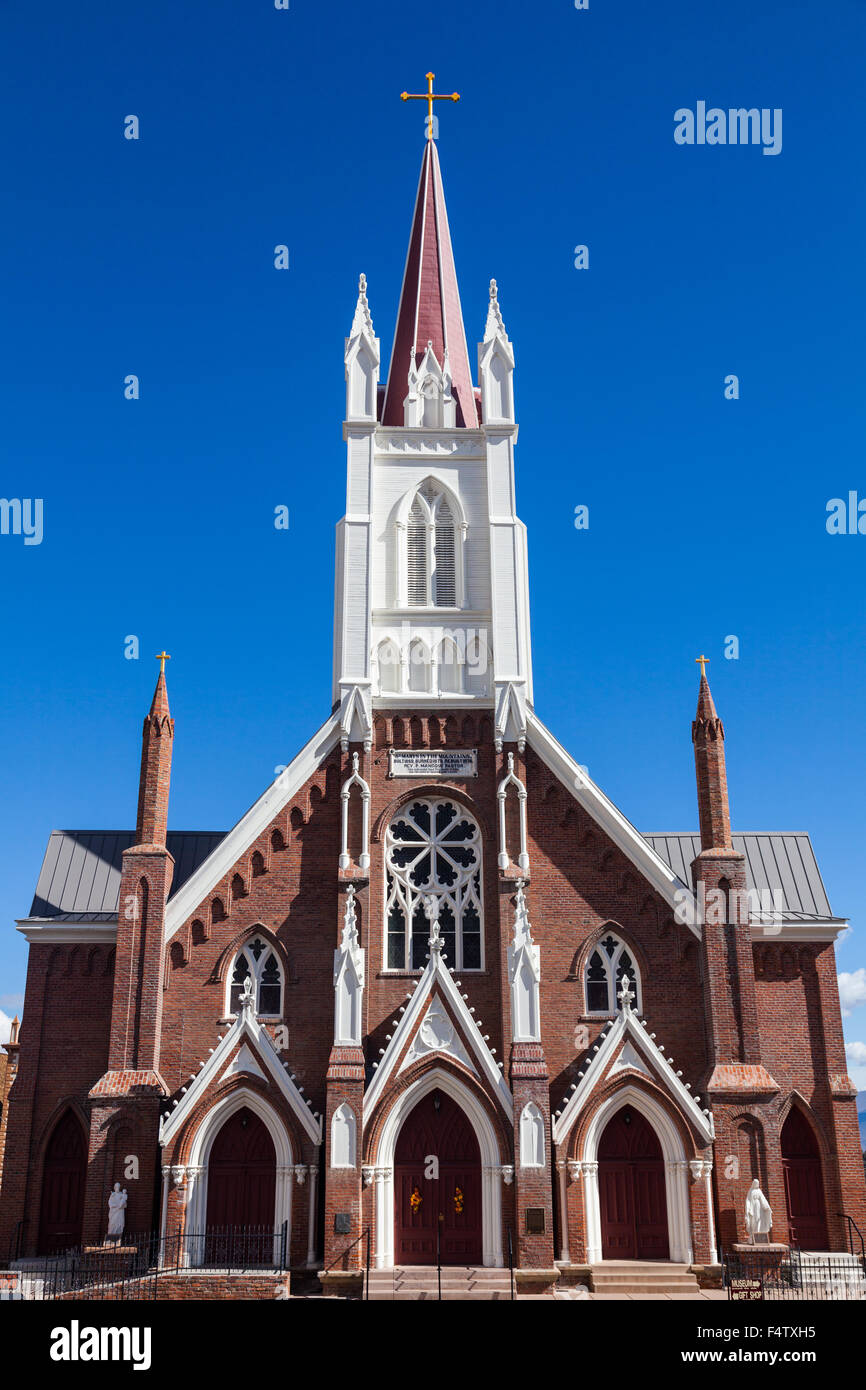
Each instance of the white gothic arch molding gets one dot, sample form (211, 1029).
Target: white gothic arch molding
(382, 1165)
(400, 530)
(676, 1173)
(196, 1167)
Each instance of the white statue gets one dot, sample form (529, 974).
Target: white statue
(117, 1211)
(759, 1217)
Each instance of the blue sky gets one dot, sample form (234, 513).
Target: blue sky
(707, 516)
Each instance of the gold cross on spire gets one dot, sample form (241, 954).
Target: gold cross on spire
(703, 663)
(429, 96)
(162, 658)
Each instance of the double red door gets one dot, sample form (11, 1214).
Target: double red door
(241, 1190)
(631, 1185)
(804, 1184)
(437, 1186)
(63, 1177)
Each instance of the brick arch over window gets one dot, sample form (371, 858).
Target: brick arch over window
(600, 962)
(427, 789)
(226, 959)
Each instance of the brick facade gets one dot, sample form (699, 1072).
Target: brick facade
(754, 1028)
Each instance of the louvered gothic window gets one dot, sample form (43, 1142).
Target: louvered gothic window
(260, 962)
(433, 846)
(603, 977)
(431, 551)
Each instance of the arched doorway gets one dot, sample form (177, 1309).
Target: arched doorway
(63, 1177)
(437, 1186)
(804, 1183)
(631, 1184)
(241, 1189)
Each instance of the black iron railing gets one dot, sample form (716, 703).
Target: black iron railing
(853, 1229)
(511, 1260)
(132, 1266)
(795, 1274)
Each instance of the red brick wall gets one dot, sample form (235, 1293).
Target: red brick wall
(64, 1049)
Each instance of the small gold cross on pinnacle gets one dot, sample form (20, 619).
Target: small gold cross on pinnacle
(703, 663)
(429, 96)
(162, 658)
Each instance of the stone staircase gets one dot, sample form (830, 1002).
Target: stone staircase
(460, 1283)
(643, 1279)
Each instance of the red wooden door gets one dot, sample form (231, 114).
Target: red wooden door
(63, 1177)
(804, 1184)
(631, 1186)
(241, 1189)
(437, 1129)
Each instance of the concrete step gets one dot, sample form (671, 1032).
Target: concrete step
(419, 1283)
(643, 1279)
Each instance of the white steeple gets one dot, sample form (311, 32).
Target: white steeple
(432, 604)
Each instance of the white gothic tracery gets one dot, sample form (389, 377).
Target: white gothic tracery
(433, 846)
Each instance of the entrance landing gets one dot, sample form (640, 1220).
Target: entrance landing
(460, 1283)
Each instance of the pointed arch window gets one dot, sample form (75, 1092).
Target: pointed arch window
(433, 846)
(258, 960)
(432, 550)
(388, 662)
(449, 668)
(420, 670)
(602, 977)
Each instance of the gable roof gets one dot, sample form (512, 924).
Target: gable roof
(234, 1048)
(635, 846)
(436, 979)
(629, 1029)
(80, 874)
(775, 860)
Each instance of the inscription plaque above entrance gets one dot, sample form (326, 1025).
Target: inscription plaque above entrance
(432, 762)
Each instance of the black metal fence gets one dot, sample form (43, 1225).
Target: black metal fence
(132, 1267)
(761, 1276)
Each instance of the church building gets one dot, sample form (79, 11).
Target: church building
(433, 990)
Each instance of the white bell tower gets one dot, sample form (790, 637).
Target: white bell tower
(432, 604)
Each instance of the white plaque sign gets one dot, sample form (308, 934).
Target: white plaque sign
(433, 762)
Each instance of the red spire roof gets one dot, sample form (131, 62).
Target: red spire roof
(706, 705)
(430, 302)
(159, 703)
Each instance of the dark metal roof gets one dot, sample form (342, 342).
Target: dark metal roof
(80, 876)
(774, 860)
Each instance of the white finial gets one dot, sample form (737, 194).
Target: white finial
(494, 326)
(362, 321)
(350, 926)
(625, 994)
(430, 904)
(248, 997)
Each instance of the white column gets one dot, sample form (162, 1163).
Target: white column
(311, 1224)
(383, 1255)
(562, 1169)
(166, 1175)
(593, 1213)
